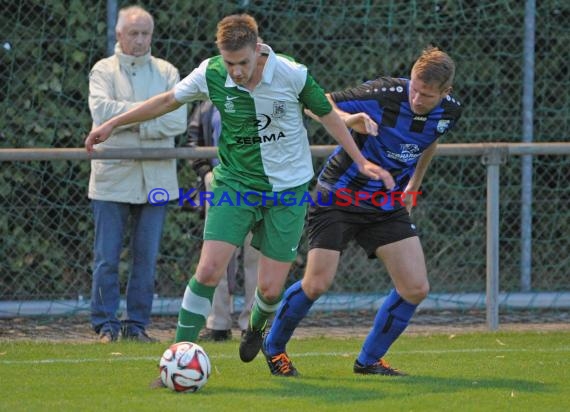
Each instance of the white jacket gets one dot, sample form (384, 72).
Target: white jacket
(116, 84)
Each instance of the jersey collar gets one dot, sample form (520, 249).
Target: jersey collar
(269, 69)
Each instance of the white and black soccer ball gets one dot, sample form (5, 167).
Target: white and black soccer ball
(184, 367)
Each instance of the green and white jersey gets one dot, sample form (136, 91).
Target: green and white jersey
(263, 144)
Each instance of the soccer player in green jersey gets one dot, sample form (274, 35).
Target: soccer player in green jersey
(263, 150)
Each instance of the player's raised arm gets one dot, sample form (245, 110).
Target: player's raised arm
(154, 107)
(337, 128)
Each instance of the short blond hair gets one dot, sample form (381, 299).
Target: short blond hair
(236, 32)
(435, 67)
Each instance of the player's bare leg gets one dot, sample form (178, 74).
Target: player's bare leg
(197, 300)
(405, 263)
(321, 269)
(214, 258)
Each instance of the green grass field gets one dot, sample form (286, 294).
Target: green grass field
(505, 371)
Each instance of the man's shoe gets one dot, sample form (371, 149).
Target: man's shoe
(379, 368)
(215, 335)
(141, 337)
(106, 337)
(279, 365)
(250, 344)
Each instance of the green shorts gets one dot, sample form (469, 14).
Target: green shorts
(276, 219)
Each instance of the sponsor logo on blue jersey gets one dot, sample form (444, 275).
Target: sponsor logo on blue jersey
(408, 151)
(442, 125)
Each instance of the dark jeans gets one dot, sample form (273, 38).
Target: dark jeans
(144, 223)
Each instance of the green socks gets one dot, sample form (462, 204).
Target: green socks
(261, 311)
(196, 306)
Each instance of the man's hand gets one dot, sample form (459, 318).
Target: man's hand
(361, 123)
(98, 135)
(375, 172)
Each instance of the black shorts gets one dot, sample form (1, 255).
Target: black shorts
(332, 227)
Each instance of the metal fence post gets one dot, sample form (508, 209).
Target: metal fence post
(493, 158)
(111, 22)
(528, 126)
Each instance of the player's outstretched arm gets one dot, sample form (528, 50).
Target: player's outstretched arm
(336, 127)
(154, 107)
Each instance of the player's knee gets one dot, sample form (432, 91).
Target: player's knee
(423, 291)
(314, 290)
(416, 294)
(269, 294)
(209, 274)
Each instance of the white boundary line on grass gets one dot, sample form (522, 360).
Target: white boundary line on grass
(119, 358)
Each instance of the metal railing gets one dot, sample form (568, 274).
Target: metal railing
(493, 155)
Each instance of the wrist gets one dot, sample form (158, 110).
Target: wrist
(360, 160)
(113, 123)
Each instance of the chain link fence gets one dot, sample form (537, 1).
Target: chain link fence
(47, 49)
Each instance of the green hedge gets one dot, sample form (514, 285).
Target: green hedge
(48, 48)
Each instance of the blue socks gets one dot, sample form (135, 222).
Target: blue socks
(391, 320)
(294, 307)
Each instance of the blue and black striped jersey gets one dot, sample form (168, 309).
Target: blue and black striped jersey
(402, 136)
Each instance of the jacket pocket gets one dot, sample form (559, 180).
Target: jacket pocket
(112, 171)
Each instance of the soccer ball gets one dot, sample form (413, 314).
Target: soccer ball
(184, 367)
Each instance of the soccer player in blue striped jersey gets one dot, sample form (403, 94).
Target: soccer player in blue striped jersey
(263, 147)
(397, 123)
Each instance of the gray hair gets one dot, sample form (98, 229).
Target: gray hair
(130, 11)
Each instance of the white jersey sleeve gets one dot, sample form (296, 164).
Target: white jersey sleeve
(194, 86)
